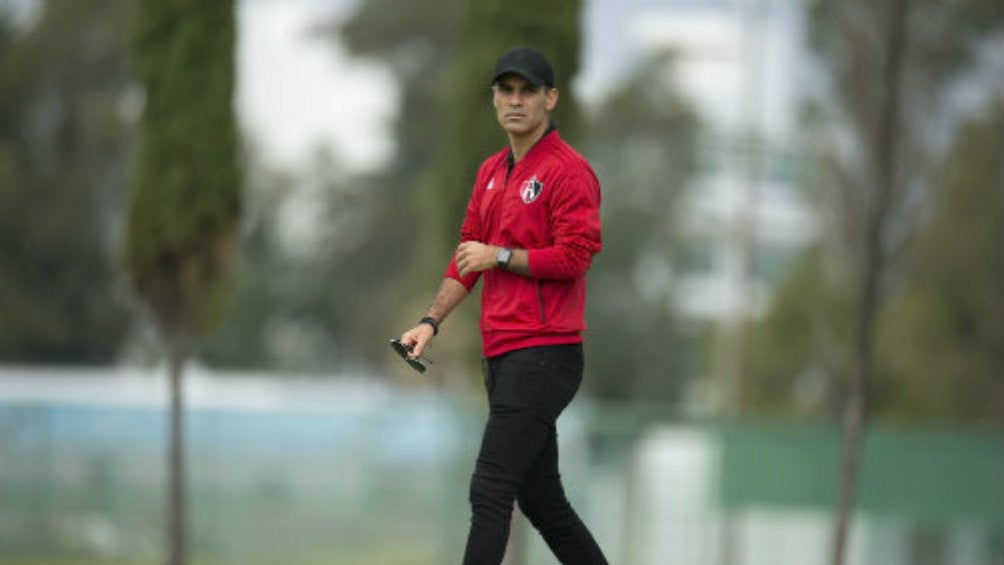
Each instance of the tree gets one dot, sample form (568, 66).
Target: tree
(243, 338)
(326, 292)
(800, 347)
(304, 296)
(64, 150)
(420, 41)
(811, 311)
(941, 337)
(887, 62)
(872, 200)
(185, 201)
(643, 142)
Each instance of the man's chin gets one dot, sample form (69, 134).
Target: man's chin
(516, 130)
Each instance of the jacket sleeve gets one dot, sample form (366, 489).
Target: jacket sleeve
(575, 220)
(469, 231)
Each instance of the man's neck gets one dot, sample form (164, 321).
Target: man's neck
(521, 145)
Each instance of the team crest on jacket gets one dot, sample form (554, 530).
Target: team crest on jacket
(531, 189)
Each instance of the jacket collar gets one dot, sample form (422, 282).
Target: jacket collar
(510, 161)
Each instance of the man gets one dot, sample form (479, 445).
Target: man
(531, 229)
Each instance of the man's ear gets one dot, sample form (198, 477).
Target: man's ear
(552, 99)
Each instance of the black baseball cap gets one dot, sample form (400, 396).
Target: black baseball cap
(527, 63)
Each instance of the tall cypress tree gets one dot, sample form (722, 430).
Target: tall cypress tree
(186, 194)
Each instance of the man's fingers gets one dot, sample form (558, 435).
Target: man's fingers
(461, 259)
(467, 258)
(416, 339)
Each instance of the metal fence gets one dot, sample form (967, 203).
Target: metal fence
(356, 471)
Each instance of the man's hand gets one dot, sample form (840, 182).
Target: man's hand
(417, 338)
(474, 257)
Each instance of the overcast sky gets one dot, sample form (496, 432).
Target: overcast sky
(296, 91)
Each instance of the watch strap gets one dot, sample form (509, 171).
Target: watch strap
(432, 322)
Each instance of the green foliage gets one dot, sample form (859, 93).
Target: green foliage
(938, 351)
(798, 353)
(353, 286)
(242, 338)
(320, 302)
(940, 45)
(642, 142)
(64, 143)
(937, 347)
(186, 197)
(419, 41)
(942, 335)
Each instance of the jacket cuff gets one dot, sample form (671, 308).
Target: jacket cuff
(453, 273)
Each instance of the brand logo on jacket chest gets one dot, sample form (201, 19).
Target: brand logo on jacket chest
(531, 189)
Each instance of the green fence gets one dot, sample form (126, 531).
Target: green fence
(931, 476)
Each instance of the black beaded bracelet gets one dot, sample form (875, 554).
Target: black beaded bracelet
(432, 322)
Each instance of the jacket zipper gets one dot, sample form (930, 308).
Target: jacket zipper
(540, 300)
(540, 291)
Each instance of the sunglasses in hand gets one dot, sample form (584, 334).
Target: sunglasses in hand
(419, 363)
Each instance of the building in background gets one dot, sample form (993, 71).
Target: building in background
(740, 62)
(743, 218)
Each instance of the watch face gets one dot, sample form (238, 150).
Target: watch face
(504, 255)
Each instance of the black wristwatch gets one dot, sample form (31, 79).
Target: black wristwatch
(505, 254)
(432, 322)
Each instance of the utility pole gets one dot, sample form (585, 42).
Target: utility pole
(743, 234)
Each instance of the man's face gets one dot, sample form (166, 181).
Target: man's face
(521, 107)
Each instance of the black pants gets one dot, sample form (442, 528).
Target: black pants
(527, 390)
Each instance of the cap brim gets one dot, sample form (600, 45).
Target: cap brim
(531, 78)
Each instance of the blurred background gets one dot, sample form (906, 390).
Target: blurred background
(803, 220)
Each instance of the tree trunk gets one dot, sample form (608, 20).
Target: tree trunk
(176, 507)
(883, 149)
(854, 416)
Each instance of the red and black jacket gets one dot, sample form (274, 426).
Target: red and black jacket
(549, 204)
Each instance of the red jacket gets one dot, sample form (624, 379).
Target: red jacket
(548, 204)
